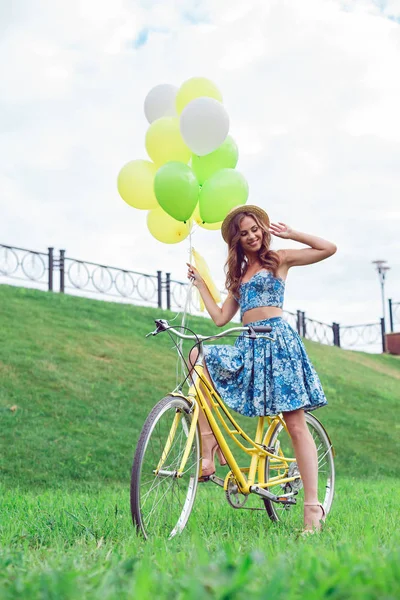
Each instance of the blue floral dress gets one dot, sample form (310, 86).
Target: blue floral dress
(265, 377)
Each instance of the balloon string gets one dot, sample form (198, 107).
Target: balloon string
(180, 365)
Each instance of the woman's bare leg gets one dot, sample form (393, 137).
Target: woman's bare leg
(307, 461)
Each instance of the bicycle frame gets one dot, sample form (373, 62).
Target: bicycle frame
(202, 395)
(205, 395)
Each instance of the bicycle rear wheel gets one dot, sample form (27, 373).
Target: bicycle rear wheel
(161, 502)
(280, 440)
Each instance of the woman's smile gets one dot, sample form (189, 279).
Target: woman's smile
(253, 243)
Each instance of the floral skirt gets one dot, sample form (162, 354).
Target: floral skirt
(265, 377)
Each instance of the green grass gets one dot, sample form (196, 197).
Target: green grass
(78, 378)
(61, 544)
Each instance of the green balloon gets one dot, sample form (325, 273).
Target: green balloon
(223, 191)
(177, 190)
(226, 156)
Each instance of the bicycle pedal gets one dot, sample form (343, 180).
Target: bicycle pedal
(217, 480)
(204, 479)
(286, 500)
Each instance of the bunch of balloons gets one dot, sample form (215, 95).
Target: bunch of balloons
(191, 175)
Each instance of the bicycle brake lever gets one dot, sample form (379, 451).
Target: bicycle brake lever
(162, 325)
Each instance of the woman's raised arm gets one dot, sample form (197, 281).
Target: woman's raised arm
(319, 248)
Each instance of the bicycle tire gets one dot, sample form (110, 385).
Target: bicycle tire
(326, 471)
(160, 503)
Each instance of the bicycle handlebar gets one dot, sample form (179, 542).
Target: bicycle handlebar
(163, 325)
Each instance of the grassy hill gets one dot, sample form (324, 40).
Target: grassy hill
(78, 378)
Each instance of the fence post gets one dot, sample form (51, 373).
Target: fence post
(391, 315)
(168, 290)
(383, 330)
(159, 289)
(298, 322)
(62, 271)
(51, 267)
(303, 323)
(336, 334)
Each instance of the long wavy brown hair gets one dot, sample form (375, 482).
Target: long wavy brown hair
(237, 263)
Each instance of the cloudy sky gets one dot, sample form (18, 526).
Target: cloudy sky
(312, 89)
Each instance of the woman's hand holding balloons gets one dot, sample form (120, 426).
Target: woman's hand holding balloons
(194, 276)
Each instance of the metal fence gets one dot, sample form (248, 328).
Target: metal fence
(83, 277)
(353, 336)
(77, 276)
(23, 264)
(93, 278)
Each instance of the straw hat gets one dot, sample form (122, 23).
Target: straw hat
(256, 210)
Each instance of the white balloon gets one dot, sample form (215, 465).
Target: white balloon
(160, 102)
(204, 125)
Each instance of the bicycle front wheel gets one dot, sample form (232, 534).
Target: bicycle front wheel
(161, 501)
(274, 468)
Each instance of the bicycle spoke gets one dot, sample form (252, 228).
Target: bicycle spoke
(322, 457)
(161, 503)
(190, 467)
(156, 504)
(159, 481)
(281, 439)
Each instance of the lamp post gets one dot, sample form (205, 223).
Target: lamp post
(382, 269)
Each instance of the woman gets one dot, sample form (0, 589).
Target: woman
(264, 377)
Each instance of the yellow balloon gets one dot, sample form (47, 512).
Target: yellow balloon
(196, 87)
(164, 142)
(166, 229)
(199, 221)
(136, 184)
(204, 272)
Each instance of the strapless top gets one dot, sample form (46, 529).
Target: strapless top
(263, 289)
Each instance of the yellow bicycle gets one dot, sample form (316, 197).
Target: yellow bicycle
(167, 461)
